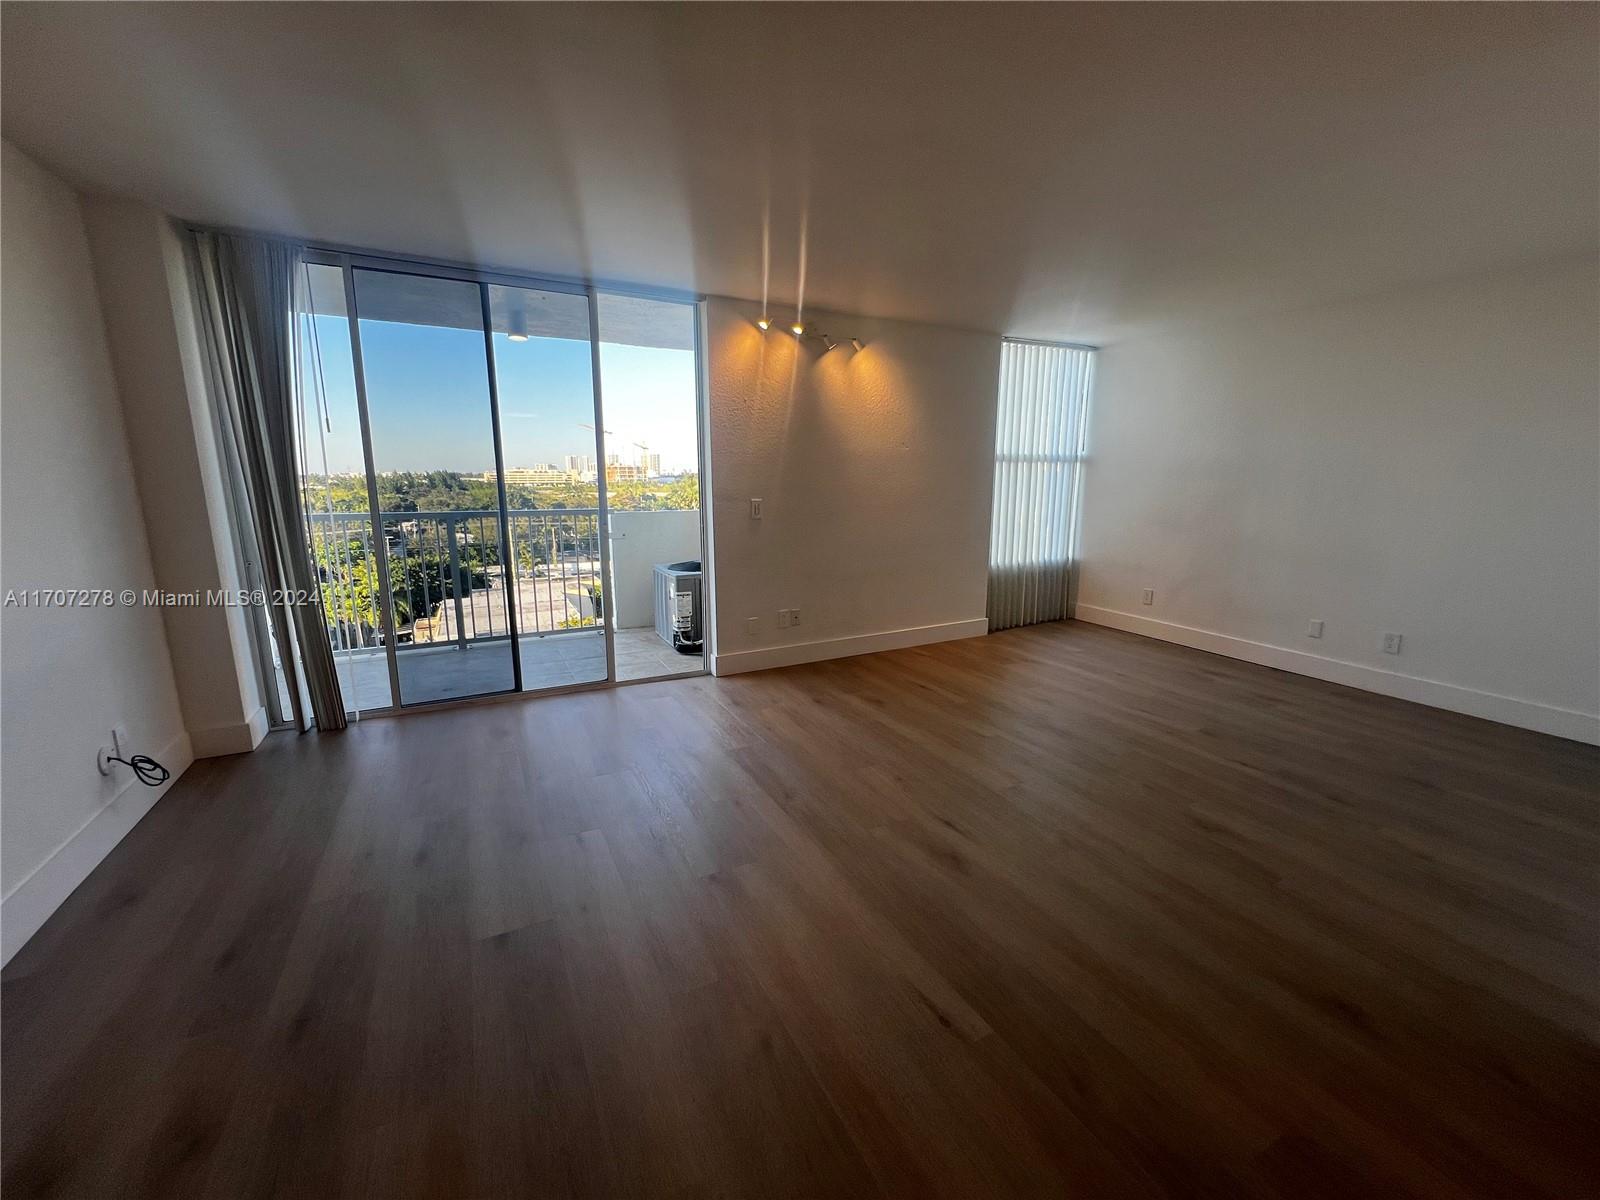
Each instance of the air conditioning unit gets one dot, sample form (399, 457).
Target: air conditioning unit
(678, 605)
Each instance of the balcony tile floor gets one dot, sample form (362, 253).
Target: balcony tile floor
(554, 660)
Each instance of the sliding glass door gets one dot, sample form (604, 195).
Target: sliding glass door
(459, 481)
(543, 364)
(433, 467)
(651, 386)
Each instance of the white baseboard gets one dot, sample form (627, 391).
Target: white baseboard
(239, 738)
(1525, 714)
(867, 643)
(42, 892)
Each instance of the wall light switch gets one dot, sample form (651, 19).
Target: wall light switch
(1391, 643)
(794, 616)
(755, 508)
(1314, 629)
(1148, 596)
(783, 618)
(752, 626)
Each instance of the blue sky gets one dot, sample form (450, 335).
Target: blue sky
(429, 400)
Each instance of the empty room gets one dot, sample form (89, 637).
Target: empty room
(799, 600)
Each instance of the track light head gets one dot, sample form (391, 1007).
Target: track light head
(763, 323)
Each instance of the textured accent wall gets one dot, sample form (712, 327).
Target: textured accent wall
(875, 468)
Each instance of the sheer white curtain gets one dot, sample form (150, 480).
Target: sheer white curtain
(1039, 431)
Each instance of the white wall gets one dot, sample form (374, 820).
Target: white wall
(141, 270)
(640, 540)
(875, 469)
(1425, 462)
(71, 519)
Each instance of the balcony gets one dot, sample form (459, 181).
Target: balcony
(450, 598)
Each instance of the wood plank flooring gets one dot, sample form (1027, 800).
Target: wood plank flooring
(1056, 912)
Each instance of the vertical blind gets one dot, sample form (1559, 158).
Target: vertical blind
(1039, 431)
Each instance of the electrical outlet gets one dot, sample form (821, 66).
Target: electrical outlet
(755, 508)
(1148, 596)
(1314, 629)
(794, 616)
(1391, 643)
(752, 626)
(120, 747)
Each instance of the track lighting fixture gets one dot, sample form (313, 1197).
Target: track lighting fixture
(518, 331)
(801, 332)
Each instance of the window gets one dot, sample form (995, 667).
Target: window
(1039, 431)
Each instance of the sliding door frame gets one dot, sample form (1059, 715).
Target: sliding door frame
(380, 540)
(350, 259)
(380, 536)
(608, 594)
(702, 433)
(508, 565)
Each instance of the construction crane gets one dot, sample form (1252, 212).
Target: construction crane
(644, 460)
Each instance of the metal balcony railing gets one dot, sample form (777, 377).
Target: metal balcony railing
(447, 578)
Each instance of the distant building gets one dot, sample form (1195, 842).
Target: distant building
(650, 464)
(541, 475)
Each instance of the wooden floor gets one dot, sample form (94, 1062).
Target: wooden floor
(1056, 912)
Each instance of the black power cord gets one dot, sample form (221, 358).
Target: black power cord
(146, 769)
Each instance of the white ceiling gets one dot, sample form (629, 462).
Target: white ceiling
(1074, 171)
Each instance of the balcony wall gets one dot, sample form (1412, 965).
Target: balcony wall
(640, 540)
